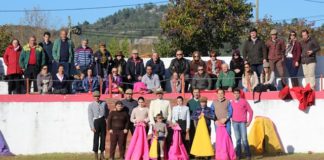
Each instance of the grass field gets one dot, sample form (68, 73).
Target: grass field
(89, 156)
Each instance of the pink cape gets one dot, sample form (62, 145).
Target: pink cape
(177, 150)
(138, 148)
(224, 145)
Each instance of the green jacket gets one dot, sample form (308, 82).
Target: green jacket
(193, 105)
(225, 80)
(25, 53)
(57, 47)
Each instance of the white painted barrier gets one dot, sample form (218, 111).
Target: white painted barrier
(47, 127)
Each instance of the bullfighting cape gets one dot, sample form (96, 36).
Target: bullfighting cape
(177, 150)
(138, 148)
(201, 145)
(4, 149)
(224, 144)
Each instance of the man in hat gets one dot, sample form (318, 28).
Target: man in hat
(129, 104)
(255, 52)
(159, 106)
(97, 116)
(134, 68)
(276, 54)
(205, 111)
(120, 63)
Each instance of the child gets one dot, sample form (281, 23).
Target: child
(160, 133)
(205, 111)
(118, 124)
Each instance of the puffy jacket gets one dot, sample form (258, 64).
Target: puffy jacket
(94, 85)
(83, 57)
(11, 59)
(25, 53)
(135, 68)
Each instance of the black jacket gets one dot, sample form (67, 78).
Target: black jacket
(180, 66)
(310, 44)
(254, 53)
(135, 68)
(158, 67)
(121, 66)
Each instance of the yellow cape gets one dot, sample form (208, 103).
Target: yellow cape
(263, 137)
(201, 145)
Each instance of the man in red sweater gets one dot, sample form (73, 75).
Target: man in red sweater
(241, 110)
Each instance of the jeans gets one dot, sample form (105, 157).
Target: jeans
(241, 137)
(257, 68)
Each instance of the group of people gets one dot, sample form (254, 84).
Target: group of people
(159, 119)
(60, 68)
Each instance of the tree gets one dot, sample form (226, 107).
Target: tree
(164, 48)
(205, 25)
(115, 46)
(5, 38)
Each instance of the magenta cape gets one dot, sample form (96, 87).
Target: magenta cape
(224, 145)
(138, 148)
(177, 150)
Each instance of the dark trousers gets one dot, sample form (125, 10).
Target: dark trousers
(117, 137)
(257, 68)
(99, 135)
(15, 84)
(192, 132)
(31, 73)
(279, 65)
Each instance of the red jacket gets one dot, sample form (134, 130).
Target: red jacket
(296, 52)
(11, 59)
(276, 50)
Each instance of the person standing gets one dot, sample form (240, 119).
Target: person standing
(134, 68)
(205, 111)
(181, 117)
(103, 61)
(310, 47)
(160, 106)
(181, 66)
(63, 52)
(14, 72)
(140, 113)
(83, 57)
(118, 124)
(129, 104)
(242, 117)
(97, 116)
(47, 45)
(223, 110)
(276, 54)
(31, 59)
(193, 105)
(157, 67)
(255, 52)
(293, 52)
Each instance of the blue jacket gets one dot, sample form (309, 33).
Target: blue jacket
(86, 84)
(208, 114)
(83, 57)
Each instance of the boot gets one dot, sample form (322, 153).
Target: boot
(96, 156)
(102, 156)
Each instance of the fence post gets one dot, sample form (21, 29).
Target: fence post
(183, 85)
(321, 82)
(109, 86)
(27, 85)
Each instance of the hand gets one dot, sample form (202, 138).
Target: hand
(296, 64)
(248, 124)
(129, 77)
(237, 70)
(23, 70)
(309, 52)
(93, 130)
(230, 89)
(264, 60)
(77, 67)
(125, 131)
(223, 120)
(111, 131)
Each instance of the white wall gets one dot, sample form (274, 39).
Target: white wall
(33, 128)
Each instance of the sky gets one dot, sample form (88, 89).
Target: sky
(277, 9)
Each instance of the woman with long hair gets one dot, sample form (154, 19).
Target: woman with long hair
(249, 78)
(293, 52)
(237, 66)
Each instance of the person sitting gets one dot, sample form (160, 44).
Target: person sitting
(196, 61)
(44, 81)
(60, 83)
(249, 79)
(77, 86)
(201, 80)
(151, 80)
(181, 66)
(268, 78)
(237, 66)
(116, 85)
(175, 83)
(226, 79)
(134, 68)
(90, 82)
(214, 66)
(157, 67)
